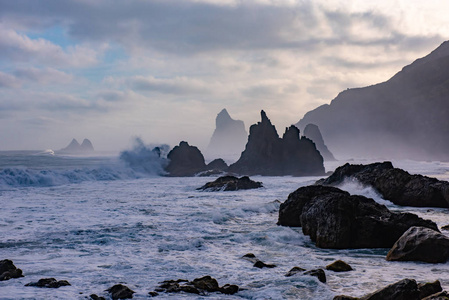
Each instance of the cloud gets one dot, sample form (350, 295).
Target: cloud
(9, 81)
(45, 76)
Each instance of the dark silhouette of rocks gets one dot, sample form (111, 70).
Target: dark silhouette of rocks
(8, 270)
(185, 160)
(312, 132)
(229, 137)
(199, 286)
(394, 184)
(231, 183)
(267, 154)
(318, 273)
(120, 291)
(406, 289)
(257, 263)
(404, 117)
(49, 283)
(75, 148)
(217, 164)
(335, 219)
(294, 271)
(339, 266)
(420, 244)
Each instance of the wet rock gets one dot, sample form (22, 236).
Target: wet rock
(153, 294)
(231, 183)
(339, 266)
(429, 288)
(49, 283)
(342, 297)
(198, 286)
(8, 270)
(445, 227)
(406, 289)
(420, 244)
(394, 184)
(269, 155)
(294, 271)
(438, 296)
(96, 297)
(335, 219)
(120, 291)
(185, 160)
(318, 273)
(257, 263)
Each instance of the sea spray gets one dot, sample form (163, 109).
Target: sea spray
(146, 159)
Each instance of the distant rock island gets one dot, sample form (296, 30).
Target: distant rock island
(313, 132)
(268, 154)
(229, 137)
(404, 117)
(75, 148)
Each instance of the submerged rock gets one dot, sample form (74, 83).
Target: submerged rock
(49, 283)
(394, 184)
(318, 273)
(8, 270)
(120, 291)
(231, 183)
(420, 244)
(294, 271)
(267, 154)
(257, 263)
(197, 286)
(335, 219)
(339, 266)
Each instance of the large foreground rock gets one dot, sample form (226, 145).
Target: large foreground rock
(231, 183)
(267, 154)
(8, 270)
(394, 184)
(335, 219)
(420, 244)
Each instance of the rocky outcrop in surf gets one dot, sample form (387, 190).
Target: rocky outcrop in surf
(313, 132)
(229, 136)
(394, 184)
(335, 219)
(185, 160)
(231, 183)
(75, 148)
(267, 154)
(8, 270)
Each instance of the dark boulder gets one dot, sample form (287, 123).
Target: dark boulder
(335, 219)
(199, 286)
(394, 184)
(429, 288)
(311, 131)
(294, 271)
(318, 273)
(49, 283)
(217, 165)
(231, 183)
(268, 154)
(420, 244)
(8, 270)
(120, 291)
(185, 160)
(443, 295)
(339, 266)
(96, 297)
(257, 263)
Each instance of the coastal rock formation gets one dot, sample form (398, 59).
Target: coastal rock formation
(267, 154)
(198, 286)
(311, 131)
(318, 273)
(420, 244)
(394, 184)
(217, 165)
(257, 263)
(229, 137)
(339, 266)
(406, 289)
(75, 148)
(185, 160)
(49, 283)
(231, 183)
(120, 291)
(404, 117)
(335, 219)
(8, 270)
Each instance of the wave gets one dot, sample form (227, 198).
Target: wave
(146, 159)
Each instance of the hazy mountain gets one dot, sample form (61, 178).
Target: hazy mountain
(313, 132)
(404, 117)
(229, 137)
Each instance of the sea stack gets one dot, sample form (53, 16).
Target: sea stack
(75, 148)
(229, 137)
(185, 160)
(267, 154)
(313, 132)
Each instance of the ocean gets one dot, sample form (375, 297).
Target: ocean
(98, 221)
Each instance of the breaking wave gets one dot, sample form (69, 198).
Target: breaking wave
(146, 159)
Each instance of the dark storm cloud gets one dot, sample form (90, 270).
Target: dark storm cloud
(181, 27)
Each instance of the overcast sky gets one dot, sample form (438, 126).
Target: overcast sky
(162, 70)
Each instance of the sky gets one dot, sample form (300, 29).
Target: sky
(161, 70)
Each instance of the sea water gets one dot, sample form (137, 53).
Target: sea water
(96, 222)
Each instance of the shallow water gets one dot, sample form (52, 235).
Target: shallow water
(141, 231)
